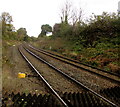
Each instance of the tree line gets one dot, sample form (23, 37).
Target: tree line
(96, 29)
(9, 32)
(89, 33)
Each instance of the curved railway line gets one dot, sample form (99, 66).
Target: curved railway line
(67, 60)
(38, 73)
(102, 73)
(70, 79)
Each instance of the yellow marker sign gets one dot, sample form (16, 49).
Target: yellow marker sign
(21, 75)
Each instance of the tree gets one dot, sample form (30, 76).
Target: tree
(56, 29)
(45, 29)
(22, 33)
(8, 30)
(65, 14)
(6, 19)
(71, 20)
(76, 17)
(99, 28)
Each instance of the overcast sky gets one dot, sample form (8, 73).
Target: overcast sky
(31, 14)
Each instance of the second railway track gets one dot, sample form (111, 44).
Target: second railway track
(104, 74)
(74, 87)
(72, 61)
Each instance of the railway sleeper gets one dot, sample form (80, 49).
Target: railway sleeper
(84, 99)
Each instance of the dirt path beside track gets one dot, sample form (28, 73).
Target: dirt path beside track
(13, 64)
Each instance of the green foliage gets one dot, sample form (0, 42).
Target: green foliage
(116, 25)
(62, 30)
(6, 18)
(8, 30)
(93, 63)
(65, 30)
(45, 29)
(32, 38)
(22, 31)
(56, 30)
(99, 28)
(22, 34)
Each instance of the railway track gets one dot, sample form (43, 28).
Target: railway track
(66, 59)
(102, 73)
(79, 84)
(43, 79)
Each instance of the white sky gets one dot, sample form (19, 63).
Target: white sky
(31, 14)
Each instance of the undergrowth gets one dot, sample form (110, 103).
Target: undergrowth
(104, 55)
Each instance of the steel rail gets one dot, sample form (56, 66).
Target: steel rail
(103, 76)
(48, 85)
(74, 80)
(75, 61)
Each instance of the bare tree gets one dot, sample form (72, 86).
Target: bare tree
(66, 12)
(71, 14)
(76, 16)
(80, 15)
